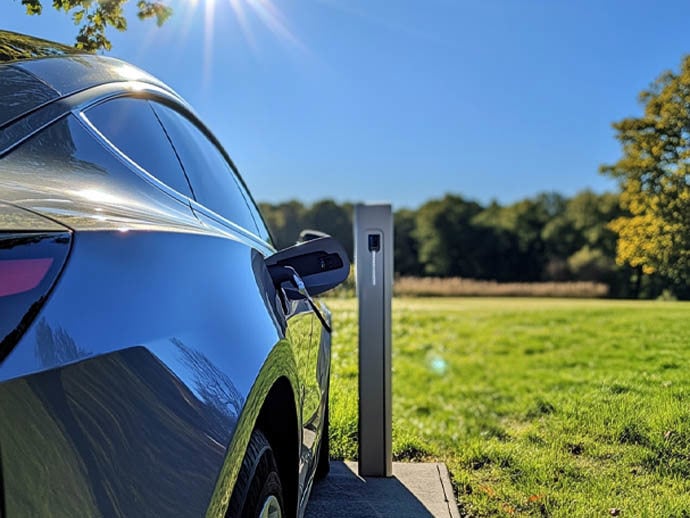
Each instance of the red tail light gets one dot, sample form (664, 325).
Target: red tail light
(20, 275)
(30, 263)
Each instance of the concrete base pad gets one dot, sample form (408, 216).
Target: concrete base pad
(414, 490)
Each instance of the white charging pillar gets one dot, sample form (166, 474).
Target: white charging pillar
(373, 233)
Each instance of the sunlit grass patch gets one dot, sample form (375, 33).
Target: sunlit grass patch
(544, 407)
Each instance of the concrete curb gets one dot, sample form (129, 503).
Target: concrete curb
(444, 475)
(416, 490)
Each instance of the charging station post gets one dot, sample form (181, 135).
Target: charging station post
(373, 233)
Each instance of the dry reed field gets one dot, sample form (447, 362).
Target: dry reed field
(458, 287)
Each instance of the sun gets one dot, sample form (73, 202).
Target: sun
(247, 13)
(265, 11)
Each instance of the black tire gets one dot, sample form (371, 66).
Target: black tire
(323, 465)
(258, 483)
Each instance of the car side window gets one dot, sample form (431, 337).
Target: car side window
(213, 180)
(260, 223)
(131, 125)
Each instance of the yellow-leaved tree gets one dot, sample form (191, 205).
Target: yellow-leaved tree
(654, 175)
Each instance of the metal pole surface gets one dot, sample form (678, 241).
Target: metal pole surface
(373, 236)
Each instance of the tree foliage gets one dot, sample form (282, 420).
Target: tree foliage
(654, 173)
(446, 237)
(94, 16)
(406, 255)
(286, 221)
(545, 238)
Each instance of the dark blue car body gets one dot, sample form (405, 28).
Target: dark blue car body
(143, 339)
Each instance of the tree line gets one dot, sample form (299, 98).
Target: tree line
(549, 237)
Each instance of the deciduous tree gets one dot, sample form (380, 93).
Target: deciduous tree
(406, 244)
(654, 174)
(449, 243)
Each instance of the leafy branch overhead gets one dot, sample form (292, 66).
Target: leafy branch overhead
(93, 17)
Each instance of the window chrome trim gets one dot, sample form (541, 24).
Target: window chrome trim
(131, 164)
(38, 119)
(143, 173)
(79, 102)
(265, 247)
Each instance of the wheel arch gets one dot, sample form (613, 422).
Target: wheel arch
(279, 423)
(271, 406)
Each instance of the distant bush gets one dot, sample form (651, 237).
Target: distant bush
(459, 287)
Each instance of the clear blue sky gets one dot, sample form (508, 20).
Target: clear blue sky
(405, 100)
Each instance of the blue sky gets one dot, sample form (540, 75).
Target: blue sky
(370, 100)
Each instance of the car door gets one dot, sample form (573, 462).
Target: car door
(316, 383)
(217, 186)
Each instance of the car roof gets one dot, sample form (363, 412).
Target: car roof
(36, 72)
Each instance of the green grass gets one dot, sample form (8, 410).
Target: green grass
(541, 407)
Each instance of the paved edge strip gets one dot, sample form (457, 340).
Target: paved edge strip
(448, 490)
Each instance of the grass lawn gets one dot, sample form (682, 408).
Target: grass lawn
(545, 407)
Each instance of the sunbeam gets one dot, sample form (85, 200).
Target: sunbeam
(219, 22)
(274, 20)
(209, 26)
(241, 15)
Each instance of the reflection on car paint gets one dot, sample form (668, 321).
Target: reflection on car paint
(20, 93)
(20, 46)
(210, 384)
(70, 74)
(62, 170)
(80, 429)
(15, 219)
(55, 347)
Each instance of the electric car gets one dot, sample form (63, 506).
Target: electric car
(158, 356)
